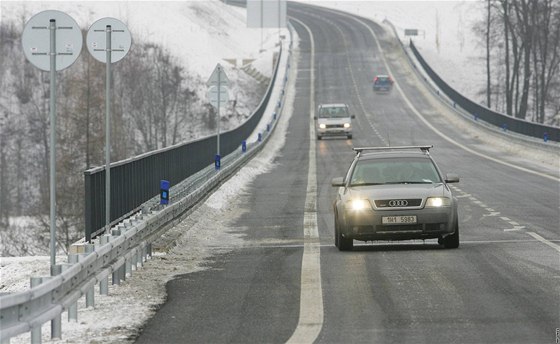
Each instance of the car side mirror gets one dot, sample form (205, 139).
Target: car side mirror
(353, 116)
(337, 182)
(314, 117)
(451, 178)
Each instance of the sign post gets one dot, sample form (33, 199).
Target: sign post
(108, 48)
(218, 96)
(52, 41)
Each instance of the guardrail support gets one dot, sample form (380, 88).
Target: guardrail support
(56, 327)
(36, 331)
(139, 257)
(56, 323)
(133, 259)
(116, 277)
(104, 286)
(128, 267)
(36, 335)
(73, 312)
(90, 297)
(122, 272)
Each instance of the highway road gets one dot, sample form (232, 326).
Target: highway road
(289, 283)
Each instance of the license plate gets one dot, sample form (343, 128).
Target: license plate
(394, 220)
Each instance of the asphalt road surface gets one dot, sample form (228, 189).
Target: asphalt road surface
(290, 283)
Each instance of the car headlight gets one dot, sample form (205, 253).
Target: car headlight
(346, 125)
(358, 204)
(322, 126)
(436, 202)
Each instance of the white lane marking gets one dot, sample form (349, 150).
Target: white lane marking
(496, 241)
(515, 228)
(507, 219)
(367, 114)
(544, 241)
(428, 124)
(311, 299)
(494, 213)
(513, 223)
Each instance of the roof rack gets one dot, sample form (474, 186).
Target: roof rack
(425, 149)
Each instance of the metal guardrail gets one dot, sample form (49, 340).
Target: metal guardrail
(136, 180)
(537, 140)
(500, 120)
(119, 253)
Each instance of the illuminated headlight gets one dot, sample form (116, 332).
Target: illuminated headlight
(323, 126)
(436, 202)
(358, 204)
(346, 125)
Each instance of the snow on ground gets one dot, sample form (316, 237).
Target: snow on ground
(200, 33)
(119, 316)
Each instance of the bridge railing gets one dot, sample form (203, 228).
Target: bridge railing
(129, 244)
(502, 121)
(134, 181)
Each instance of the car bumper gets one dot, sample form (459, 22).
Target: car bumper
(382, 89)
(367, 225)
(334, 132)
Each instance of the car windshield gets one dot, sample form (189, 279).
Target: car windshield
(394, 171)
(382, 80)
(333, 112)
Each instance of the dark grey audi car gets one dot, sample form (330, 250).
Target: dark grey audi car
(395, 193)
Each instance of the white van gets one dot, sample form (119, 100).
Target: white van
(333, 120)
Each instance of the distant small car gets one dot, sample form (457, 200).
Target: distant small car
(333, 120)
(395, 193)
(382, 83)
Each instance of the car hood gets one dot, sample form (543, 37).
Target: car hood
(340, 120)
(398, 191)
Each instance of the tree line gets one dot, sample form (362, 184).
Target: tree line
(155, 103)
(522, 41)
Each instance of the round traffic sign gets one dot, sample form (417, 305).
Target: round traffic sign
(36, 40)
(96, 40)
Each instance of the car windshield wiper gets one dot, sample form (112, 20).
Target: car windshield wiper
(365, 184)
(413, 182)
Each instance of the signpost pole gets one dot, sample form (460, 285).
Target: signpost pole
(52, 53)
(102, 32)
(218, 106)
(108, 132)
(216, 85)
(40, 39)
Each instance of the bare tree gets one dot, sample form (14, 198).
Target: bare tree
(488, 35)
(522, 57)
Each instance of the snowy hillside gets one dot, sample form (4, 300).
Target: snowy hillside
(200, 33)
(197, 34)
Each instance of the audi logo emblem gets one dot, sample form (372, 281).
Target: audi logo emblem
(398, 203)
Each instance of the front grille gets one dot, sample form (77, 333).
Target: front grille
(363, 229)
(428, 227)
(386, 203)
(431, 227)
(332, 126)
(396, 228)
